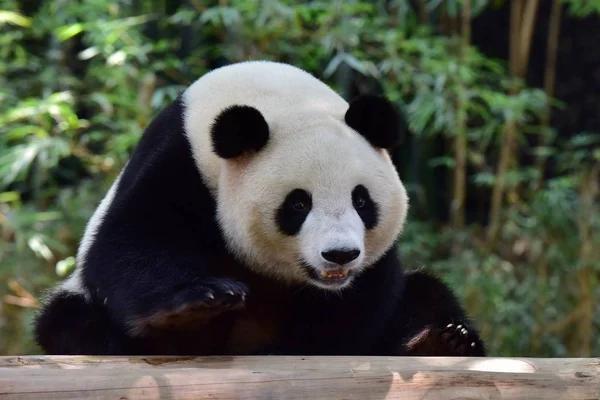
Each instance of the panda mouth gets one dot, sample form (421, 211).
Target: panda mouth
(330, 276)
(334, 275)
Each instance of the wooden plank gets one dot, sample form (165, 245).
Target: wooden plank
(427, 378)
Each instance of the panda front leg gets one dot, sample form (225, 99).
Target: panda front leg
(69, 323)
(130, 300)
(430, 321)
(178, 304)
(158, 290)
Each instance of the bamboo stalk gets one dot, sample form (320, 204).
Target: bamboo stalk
(589, 189)
(528, 18)
(444, 20)
(549, 78)
(522, 22)
(423, 17)
(516, 9)
(508, 139)
(457, 211)
(526, 34)
(564, 322)
(407, 378)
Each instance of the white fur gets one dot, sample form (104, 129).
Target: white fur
(310, 147)
(74, 283)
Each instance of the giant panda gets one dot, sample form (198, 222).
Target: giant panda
(257, 215)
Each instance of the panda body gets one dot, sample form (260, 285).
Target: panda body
(257, 215)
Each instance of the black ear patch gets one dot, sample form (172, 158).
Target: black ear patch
(237, 130)
(377, 119)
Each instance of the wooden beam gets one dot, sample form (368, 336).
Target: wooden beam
(427, 378)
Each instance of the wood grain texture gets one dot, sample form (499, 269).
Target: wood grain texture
(407, 378)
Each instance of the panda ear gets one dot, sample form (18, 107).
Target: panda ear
(238, 129)
(377, 119)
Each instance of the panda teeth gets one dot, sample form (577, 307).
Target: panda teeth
(339, 274)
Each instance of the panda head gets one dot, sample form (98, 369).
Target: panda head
(309, 198)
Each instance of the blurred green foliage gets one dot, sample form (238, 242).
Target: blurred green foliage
(79, 81)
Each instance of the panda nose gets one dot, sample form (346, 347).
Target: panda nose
(341, 256)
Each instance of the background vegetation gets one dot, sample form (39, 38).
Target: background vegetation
(503, 172)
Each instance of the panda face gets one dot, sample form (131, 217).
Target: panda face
(305, 189)
(340, 220)
(315, 207)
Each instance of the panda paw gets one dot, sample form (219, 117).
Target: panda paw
(462, 341)
(215, 293)
(192, 303)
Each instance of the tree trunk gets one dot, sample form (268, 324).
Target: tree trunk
(282, 377)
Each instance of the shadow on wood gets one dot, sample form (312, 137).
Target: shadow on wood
(426, 378)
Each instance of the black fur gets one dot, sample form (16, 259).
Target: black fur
(294, 210)
(237, 130)
(70, 325)
(367, 209)
(377, 119)
(427, 306)
(162, 282)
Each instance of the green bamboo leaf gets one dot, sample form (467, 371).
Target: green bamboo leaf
(67, 32)
(20, 132)
(8, 197)
(65, 266)
(11, 17)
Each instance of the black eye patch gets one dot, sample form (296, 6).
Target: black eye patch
(293, 211)
(365, 206)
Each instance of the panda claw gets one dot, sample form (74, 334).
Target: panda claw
(461, 341)
(226, 293)
(200, 299)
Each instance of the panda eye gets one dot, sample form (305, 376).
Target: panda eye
(360, 202)
(293, 211)
(299, 206)
(366, 208)
(298, 201)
